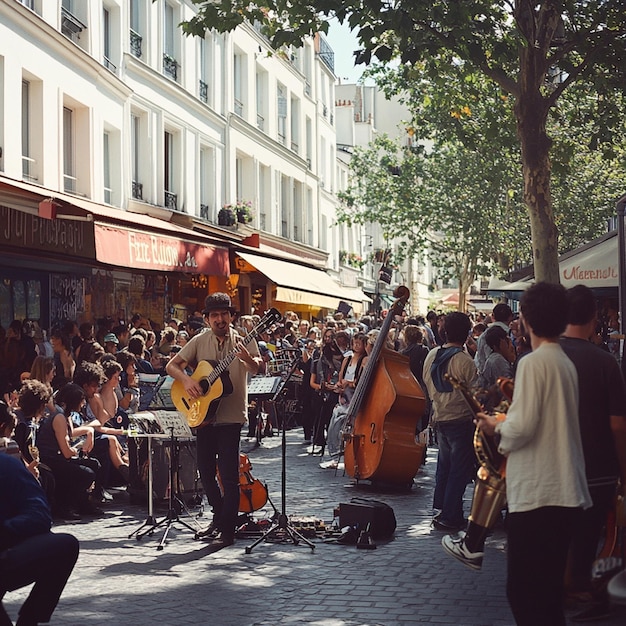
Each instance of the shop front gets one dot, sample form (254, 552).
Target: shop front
(266, 281)
(71, 259)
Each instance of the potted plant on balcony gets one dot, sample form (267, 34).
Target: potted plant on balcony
(242, 210)
(226, 216)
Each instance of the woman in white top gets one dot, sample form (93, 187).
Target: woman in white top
(351, 369)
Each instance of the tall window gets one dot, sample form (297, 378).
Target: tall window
(203, 79)
(281, 97)
(264, 196)
(295, 125)
(106, 161)
(309, 142)
(69, 151)
(284, 207)
(170, 196)
(106, 39)
(298, 218)
(261, 98)
(170, 64)
(206, 182)
(309, 217)
(135, 127)
(27, 161)
(135, 28)
(238, 80)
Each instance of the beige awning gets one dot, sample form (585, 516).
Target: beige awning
(299, 284)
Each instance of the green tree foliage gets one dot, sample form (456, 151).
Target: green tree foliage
(518, 44)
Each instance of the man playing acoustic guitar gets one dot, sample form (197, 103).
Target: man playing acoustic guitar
(218, 436)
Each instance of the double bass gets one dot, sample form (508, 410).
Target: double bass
(380, 433)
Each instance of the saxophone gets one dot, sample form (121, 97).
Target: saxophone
(490, 488)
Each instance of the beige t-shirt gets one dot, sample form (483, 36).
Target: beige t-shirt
(450, 406)
(204, 346)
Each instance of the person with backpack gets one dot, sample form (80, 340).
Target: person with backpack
(453, 422)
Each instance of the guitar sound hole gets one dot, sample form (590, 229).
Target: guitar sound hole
(204, 385)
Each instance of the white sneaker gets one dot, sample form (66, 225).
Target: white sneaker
(455, 546)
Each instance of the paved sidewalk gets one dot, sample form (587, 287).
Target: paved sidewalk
(408, 580)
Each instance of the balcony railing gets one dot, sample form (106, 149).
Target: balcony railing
(69, 183)
(135, 43)
(71, 26)
(204, 211)
(238, 107)
(326, 54)
(203, 91)
(28, 169)
(137, 190)
(294, 146)
(171, 201)
(170, 67)
(109, 64)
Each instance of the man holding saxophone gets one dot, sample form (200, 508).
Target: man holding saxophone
(546, 487)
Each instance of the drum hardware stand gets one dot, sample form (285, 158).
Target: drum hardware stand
(173, 500)
(281, 528)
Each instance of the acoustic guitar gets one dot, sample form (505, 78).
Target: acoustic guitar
(212, 376)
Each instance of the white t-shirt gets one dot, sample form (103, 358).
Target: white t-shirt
(541, 437)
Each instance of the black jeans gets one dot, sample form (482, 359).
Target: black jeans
(47, 560)
(218, 448)
(538, 542)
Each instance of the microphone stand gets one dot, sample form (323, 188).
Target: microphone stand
(281, 529)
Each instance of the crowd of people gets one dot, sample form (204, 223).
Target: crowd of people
(67, 403)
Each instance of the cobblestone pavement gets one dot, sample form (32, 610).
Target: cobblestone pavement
(408, 580)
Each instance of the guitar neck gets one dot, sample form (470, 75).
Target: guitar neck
(222, 366)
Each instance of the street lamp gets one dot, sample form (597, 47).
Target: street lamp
(621, 211)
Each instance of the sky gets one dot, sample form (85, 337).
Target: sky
(344, 43)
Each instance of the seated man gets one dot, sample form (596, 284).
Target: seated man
(29, 552)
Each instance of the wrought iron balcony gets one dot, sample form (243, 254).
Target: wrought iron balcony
(137, 190)
(135, 43)
(326, 54)
(203, 91)
(204, 211)
(170, 66)
(171, 201)
(71, 26)
(109, 65)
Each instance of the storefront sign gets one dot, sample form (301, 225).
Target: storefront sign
(136, 249)
(585, 274)
(24, 230)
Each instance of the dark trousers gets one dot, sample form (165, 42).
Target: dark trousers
(73, 478)
(538, 542)
(455, 467)
(323, 419)
(47, 560)
(218, 448)
(586, 537)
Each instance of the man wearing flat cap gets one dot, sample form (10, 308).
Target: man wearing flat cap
(218, 438)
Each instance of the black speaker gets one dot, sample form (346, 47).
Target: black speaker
(188, 477)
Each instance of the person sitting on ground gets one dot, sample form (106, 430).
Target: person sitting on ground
(29, 552)
(107, 448)
(74, 472)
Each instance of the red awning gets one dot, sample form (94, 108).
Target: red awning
(152, 251)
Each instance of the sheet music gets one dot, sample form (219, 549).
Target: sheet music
(160, 424)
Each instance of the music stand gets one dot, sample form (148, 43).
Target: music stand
(173, 422)
(150, 521)
(281, 528)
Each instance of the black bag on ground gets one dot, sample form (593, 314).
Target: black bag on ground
(360, 512)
